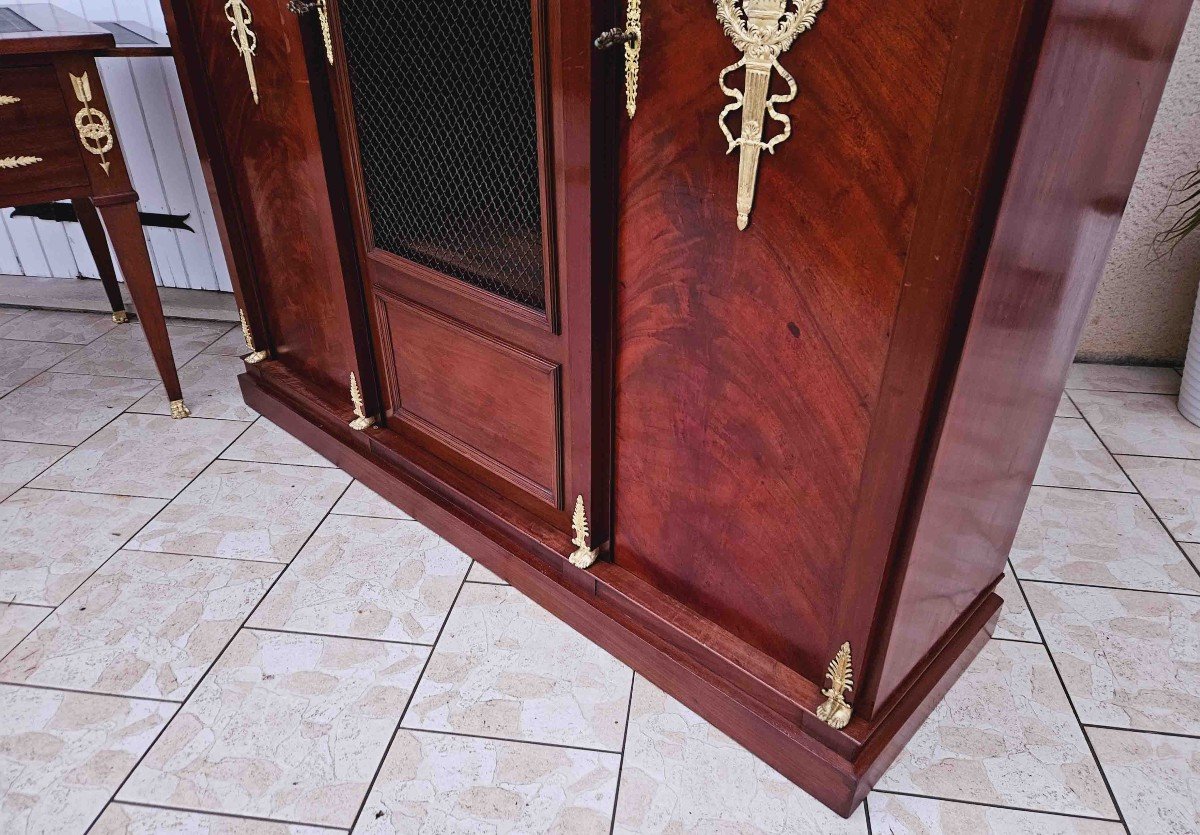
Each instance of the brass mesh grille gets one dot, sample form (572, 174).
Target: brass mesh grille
(444, 104)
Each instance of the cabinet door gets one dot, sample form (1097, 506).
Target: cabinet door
(250, 67)
(467, 140)
(750, 360)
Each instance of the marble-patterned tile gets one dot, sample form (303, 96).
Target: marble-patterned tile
(359, 500)
(1139, 424)
(144, 625)
(1004, 735)
(22, 361)
(1156, 779)
(438, 783)
(62, 755)
(1074, 457)
(1172, 486)
(21, 462)
(290, 727)
(231, 344)
(57, 326)
(245, 510)
(1100, 539)
(1066, 408)
(127, 819)
(505, 667)
(479, 574)
(17, 621)
(210, 389)
(124, 352)
(1016, 622)
(901, 815)
(361, 577)
(1127, 378)
(267, 443)
(8, 314)
(65, 408)
(50, 541)
(681, 774)
(1129, 659)
(141, 455)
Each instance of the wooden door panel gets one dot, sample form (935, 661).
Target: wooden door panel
(483, 321)
(749, 362)
(491, 402)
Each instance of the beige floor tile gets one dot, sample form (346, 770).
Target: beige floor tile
(386, 579)
(123, 352)
(16, 622)
(683, 775)
(126, 819)
(57, 326)
(1066, 408)
(62, 755)
(141, 455)
(1074, 457)
(21, 462)
(22, 361)
(267, 443)
(360, 501)
(1129, 659)
(1004, 735)
(479, 574)
(1128, 378)
(897, 815)
(1016, 623)
(505, 667)
(436, 783)
(1102, 539)
(65, 408)
(210, 389)
(1155, 778)
(50, 542)
(1172, 486)
(7, 314)
(144, 625)
(1139, 424)
(290, 727)
(245, 510)
(232, 344)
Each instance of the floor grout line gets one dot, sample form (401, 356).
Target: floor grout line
(408, 703)
(82, 692)
(198, 811)
(1072, 815)
(256, 628)
(612, 824)
(1071, 704)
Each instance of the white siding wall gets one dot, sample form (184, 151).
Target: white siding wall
(156, 139)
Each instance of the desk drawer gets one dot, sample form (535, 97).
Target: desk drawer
(39, 148)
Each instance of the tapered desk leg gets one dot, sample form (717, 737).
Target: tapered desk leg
(125, 229)
(93, 233)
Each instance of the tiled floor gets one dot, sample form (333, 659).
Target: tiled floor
(206, 627)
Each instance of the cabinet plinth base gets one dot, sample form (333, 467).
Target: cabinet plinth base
(775, 718)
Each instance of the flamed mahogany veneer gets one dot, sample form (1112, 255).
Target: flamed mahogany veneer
(761, 423)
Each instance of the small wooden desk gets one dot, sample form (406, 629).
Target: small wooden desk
(57, 142)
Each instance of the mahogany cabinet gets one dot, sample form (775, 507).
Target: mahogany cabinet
(731, 333)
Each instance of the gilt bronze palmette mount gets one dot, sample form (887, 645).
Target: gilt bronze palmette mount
(763, 30)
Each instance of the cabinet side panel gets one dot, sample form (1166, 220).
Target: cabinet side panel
(1098, 81)
(267, 131)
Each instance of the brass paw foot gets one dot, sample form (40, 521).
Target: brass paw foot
(179, 410)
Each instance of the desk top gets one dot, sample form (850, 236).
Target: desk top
(41, 27)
